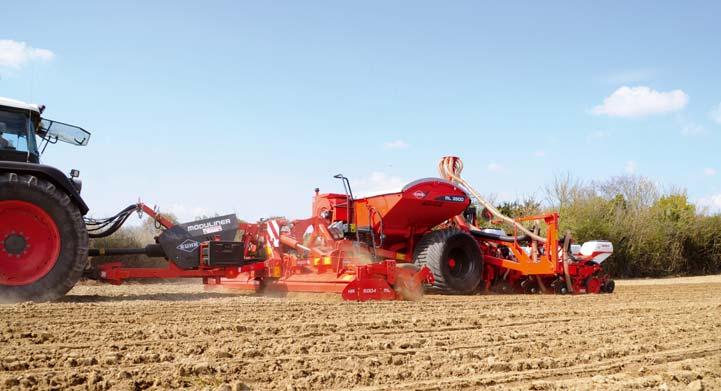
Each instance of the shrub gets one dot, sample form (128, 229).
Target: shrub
(654, 234)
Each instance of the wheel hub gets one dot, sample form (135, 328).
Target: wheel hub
(15, 244)
(29, 243)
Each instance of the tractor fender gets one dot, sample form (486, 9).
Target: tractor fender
(50, 174)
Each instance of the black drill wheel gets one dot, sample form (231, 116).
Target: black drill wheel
(454, 258)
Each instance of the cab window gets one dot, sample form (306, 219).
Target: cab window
(15, 127)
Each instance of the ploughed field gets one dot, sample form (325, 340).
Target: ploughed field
(651, 334)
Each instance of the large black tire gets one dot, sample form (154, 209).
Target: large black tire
(436, 249)
(73, 253)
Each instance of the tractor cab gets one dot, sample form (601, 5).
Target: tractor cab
(20, 123)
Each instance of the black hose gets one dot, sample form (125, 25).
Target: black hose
(108, 231)
(370, 231)
(127, 209)
(100, 228)
(380, 221)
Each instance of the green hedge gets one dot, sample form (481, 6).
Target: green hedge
(654, 233)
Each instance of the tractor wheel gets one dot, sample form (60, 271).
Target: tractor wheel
(454, 258)
(43, 240)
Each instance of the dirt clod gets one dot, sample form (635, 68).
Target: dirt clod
(696, 385)
(224, 387)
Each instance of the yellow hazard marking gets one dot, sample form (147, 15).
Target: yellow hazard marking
(400, 256)
(327, 261)
(351, 227)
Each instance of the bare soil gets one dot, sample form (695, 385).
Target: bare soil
(650, 334)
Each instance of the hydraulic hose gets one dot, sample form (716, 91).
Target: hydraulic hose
(450, 167)
(100, 228)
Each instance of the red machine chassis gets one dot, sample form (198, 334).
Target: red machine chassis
(318, 255)
(331, 269)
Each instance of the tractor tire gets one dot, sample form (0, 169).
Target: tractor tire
(454, 258)
(43, 240)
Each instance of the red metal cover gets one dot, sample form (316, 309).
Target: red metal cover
(421, 205)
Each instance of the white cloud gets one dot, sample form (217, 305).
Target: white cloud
(377, 183)
(712, 203)
(631, 167)
(540, 154)
(14, 54)
(715, 114)
(709, 171)
(396, 144)
(640, 101)
(495, 167)
(689, 128)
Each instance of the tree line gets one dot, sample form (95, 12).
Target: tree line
(655, 233)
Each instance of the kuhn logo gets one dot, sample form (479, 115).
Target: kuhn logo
(209, 224)
(188, 246)
(419, 194)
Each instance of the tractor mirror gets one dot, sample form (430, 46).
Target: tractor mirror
(58, 131)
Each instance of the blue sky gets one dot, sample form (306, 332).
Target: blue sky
(246, 107)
